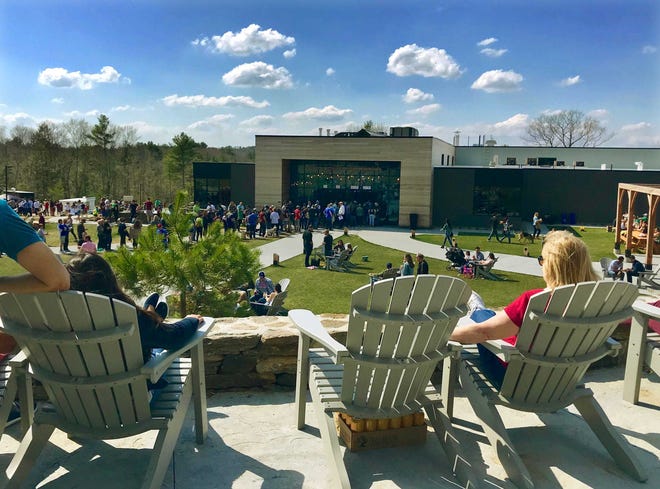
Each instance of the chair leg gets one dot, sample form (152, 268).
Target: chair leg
(302, 376)
(7, 400)
(449, 372)
(25, 398)
(31, 446)
(330, 441)
(634, 360)
(619, 448)
(496, 432)
(165, 442)
(459, 464)
(199, 393)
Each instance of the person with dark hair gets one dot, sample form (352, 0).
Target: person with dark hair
(308, 244)
(422, 265)
(636, 267)
(91, 273)
(449, 233)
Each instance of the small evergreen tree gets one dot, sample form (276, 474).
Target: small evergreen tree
(205, 274)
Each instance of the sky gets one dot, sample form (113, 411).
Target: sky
(223, 71)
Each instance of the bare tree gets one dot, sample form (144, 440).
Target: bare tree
(567, 128)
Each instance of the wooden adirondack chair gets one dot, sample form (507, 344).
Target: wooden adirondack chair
(85, 350)
(16, 383)
(337, 262)
(649, 278)
(397, 333)
(563, 333)
(274, 308)
(643, 349)
(485, 271)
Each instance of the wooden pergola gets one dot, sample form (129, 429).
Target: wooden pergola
(632, 191)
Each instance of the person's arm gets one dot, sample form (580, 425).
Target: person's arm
(46, 272)
(498, 327)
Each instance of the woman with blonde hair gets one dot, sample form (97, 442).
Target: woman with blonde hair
(565, 260)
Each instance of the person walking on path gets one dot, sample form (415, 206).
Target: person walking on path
(494, 223)
(449, 233)
(308, 244)
(506, 229)
(536, 224)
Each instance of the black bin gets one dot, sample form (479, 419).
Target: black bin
(413, 220)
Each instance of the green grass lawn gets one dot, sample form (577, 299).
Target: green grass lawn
(324, 291)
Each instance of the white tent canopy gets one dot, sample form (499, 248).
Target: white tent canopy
(89, 201)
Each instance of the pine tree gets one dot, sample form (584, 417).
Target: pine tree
(205, 274)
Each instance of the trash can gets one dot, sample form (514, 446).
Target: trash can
(413, 220)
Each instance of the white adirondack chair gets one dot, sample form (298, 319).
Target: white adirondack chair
(16, 383)
(85, 349)
(562, 334)
(397, 334)
(643, 349)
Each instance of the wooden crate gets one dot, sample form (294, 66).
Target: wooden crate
(368, 440)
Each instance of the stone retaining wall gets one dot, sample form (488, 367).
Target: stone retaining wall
(261, 351)
(258, 351)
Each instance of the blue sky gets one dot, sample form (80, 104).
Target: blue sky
(225, 70)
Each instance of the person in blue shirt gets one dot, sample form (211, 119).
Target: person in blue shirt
(636, 267)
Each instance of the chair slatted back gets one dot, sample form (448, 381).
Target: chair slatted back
(276, 306)
(397, 332)
(85, 349)
(563, 332)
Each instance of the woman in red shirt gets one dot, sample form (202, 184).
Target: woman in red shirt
(565, 260)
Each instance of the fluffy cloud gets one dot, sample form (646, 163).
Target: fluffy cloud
(487, 42)
(514, 123)
(258, 74)
(330, 71)
(204, 101)
(573, 80)
(648, 49)
(210, 122)
(414, 95)
(425, 109)
(250, 40)
(493, 53)
(17, 119)
(57, 100)
(258, 121)
(640, 135)
(600, 114)
(62, 78)
(428, 62)
(289, 53)
(121, 108)
(327, 113)
(498, 81)
(78, 114)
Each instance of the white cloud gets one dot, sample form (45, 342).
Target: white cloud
(428, 62)
(327, 113)
(517, 122)
(204, 101)
(57, 100)
(250, 40)
(289, 53)
(487, 42)
(425, 109)
(640, 134)
(62, 78)
(121, 108)
(76, 113)
(498, 81)
(211, 122)
(258, 121)
(570, 81)
(17, 119)
(493, 53)
(150, 132)
(330, 71)
(600, 114)
(414, 95)
(258, 74)
(648, 49)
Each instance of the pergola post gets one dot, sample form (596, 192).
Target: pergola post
(652, 192)
(632, 195)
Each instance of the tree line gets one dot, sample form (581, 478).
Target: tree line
(76, 159)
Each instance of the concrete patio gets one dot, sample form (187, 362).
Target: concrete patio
(253, 443)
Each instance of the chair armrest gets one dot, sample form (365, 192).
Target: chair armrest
(18, 360)
(646, 309)
(309, 325)
(613, 347)
(501, 349)
(454, 349)
(157, 366)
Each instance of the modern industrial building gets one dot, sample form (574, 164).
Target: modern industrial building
(429, 179)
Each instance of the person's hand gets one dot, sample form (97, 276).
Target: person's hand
(199, 317)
